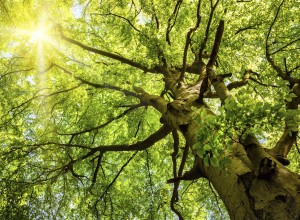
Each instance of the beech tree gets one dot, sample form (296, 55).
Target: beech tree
(146, 109)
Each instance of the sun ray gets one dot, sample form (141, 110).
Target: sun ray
(38, 34)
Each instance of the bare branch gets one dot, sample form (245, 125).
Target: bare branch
(141, 145)
(41, 145)
(213, 56)
(261, 83)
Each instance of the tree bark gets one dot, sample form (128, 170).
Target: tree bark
(248, 196)
(254, 185)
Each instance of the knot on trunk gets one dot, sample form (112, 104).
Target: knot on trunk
(267, 168)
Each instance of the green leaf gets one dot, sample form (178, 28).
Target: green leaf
(214, 162)
(206, 161)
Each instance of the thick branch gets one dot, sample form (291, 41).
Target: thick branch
(289, 137)
(140, 145)
(173, 16)
(203, 45)
(215, 50)
(188, 41)
(213, 56)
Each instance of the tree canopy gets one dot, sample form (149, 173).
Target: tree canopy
(147, 109)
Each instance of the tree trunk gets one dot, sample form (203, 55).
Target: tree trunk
(254, 186)
(248, 196)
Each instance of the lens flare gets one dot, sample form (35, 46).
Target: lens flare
(38, 35)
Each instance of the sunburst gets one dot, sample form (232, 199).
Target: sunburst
(38, 35)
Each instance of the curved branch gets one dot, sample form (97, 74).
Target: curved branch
(285, 46)
(107, 54)
(213, 56)
(118, 174)
(174, 15)
(140, 145)
(289, 136)
(268, 55)
(215, 50)
(95, 85)
(16, 71)
(123, 18)
(251, 27)
(188, 41)
(133, 107)
(203, 45)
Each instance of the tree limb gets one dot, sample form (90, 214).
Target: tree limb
(140, 145)
(118, 174)
(289, 137)
(268, 56)
(285, 46)
(171, 25)
(95, 85)
(203, 45)
(16, 71)
(188, 41)
(133, 107)
(213, 56)
(251, 27)
(123, 18)
(107, 54)
(215, 50)
(175, 152)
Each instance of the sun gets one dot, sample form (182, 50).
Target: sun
(38, 35)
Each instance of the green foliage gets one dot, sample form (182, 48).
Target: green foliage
(50, 116)
(236, 118)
